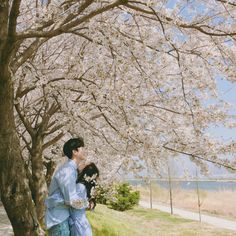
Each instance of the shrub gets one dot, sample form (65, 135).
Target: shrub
(103, 194)
(124, 198)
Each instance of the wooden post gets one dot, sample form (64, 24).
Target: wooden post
(198, 197)
(170, 189)
(150, 187)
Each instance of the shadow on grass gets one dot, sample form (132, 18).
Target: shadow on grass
(149, 214)
(103, 232)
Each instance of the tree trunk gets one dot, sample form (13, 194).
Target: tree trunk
(51, 166)
(39, 190)
(14, 186)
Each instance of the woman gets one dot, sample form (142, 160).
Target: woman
(79, 224)
(86, 182)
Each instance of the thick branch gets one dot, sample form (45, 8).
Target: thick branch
(227, 2)
(54, 140)
(46, 117)
(80, 10)
(14, 13)
(24, 120)
(104, 116)
(64, 28)
(162, 108)
(199, 28)
(200, 158)
(28, 53)
(54, 129)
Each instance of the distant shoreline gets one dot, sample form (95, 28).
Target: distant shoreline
(210, 185)
(216, 200)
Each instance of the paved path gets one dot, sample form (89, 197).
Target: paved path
(5, 225)
(216, 221)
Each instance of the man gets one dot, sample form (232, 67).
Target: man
(64, 184)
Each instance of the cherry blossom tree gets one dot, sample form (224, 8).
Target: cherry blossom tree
(136, 78)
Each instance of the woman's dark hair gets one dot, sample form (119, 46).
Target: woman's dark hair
(88, 171)
(72, 144)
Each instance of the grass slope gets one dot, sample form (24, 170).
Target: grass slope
(146, 222)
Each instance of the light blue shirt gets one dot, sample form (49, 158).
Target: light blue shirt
(62, 195)
(79, 224)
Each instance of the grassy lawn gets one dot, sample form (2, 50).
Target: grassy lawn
(146, 222)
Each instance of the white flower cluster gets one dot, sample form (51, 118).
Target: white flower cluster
(129, 86)
(90, 178)
(78, 204)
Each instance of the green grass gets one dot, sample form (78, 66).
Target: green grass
(153, 214)
(108, 222)
(146, 222)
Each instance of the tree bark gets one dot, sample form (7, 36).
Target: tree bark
(39, 190)
(14, 185)
(50, 166)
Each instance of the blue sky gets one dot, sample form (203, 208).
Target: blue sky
(227, 92)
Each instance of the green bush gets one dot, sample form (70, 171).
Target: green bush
(102, 194)
(124, 198)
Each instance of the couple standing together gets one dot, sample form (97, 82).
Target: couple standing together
(70, 193)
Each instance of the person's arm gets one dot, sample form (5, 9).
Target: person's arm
(90, 187)
(55, 200)
(67, 183)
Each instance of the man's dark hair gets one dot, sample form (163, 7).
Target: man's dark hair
(72, 144)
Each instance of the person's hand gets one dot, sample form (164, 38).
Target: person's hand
(92, 204)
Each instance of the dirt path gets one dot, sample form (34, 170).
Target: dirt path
(216, 221)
